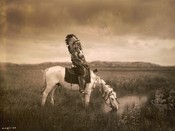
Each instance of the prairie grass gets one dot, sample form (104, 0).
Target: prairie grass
(21, 91)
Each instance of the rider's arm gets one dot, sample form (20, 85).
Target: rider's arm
(76, 59)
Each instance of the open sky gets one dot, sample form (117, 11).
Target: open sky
(109, 30)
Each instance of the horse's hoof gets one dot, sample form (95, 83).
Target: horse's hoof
(83, 92)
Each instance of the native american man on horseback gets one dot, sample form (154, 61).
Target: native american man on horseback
(78, 59)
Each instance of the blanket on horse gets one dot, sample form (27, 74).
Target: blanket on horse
(72, 77)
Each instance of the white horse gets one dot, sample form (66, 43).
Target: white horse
(55, 76)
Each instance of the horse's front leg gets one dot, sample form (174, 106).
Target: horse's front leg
(87, 98)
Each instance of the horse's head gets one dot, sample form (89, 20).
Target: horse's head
(108, 94)
(110, 97)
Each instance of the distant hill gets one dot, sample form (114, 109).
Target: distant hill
(40, 65)
(105, 64)
(94, 64)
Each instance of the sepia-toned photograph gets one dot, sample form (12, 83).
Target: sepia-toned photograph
(87, 65)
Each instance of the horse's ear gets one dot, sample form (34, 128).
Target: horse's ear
(95, 70)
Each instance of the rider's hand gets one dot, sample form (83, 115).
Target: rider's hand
(86, 66)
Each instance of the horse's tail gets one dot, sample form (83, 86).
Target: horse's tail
(44, 79)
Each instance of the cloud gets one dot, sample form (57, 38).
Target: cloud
(116, 30)
(128, 48)
(96, 47)
(151, 17)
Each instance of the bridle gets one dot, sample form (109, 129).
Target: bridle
(106, 97)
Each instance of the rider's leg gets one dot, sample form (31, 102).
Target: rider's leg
(82, 83)
(81, 78)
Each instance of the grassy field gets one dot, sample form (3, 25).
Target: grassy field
(21, 91)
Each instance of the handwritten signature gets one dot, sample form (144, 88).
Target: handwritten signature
(8, 128)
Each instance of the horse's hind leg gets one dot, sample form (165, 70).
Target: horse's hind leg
(45, 93)
(52, 95)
